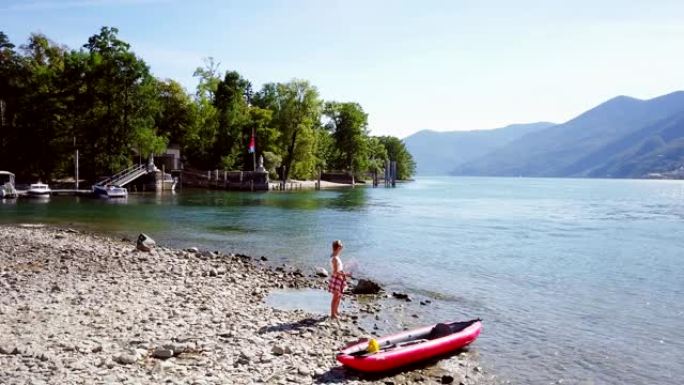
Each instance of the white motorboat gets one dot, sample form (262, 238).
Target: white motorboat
(7, 190)
(110, 191)
(39, 190)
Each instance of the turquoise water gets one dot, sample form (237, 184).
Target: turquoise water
(579, 280)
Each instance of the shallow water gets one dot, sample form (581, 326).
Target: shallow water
(311, 300)
(579, 280)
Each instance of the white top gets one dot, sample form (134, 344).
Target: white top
(339, 263)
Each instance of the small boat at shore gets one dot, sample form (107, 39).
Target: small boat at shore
(39, 190)
(402, 349)
(7, 190)
(110, 191)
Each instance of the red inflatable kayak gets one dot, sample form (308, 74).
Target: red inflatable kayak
(411, 346)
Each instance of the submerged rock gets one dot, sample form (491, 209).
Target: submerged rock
(403, 296)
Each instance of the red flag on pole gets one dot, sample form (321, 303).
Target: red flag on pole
(252, 145)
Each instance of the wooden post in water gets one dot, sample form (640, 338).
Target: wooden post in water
(282, 178)
(75, 158)
(394, 173)
(77, 169)
(387, 173)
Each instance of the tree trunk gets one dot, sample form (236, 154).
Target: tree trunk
(290, 155)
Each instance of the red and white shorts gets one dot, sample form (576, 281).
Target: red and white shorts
(337, 283)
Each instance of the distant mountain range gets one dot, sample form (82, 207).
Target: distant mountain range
(623, 137)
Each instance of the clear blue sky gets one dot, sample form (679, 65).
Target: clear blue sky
(412, 65)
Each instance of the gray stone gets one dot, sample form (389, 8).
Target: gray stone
(125, 359)
(162, 353)
(321, 272)
(280, 350)
(178, 348)
(145, 243)
(304, 371)
(9, 349)
(245, 357)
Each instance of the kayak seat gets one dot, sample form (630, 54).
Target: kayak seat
(440, 330)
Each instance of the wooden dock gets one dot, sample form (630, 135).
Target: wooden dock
(72, 192)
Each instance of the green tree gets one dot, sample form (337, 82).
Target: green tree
(209, 79)
(296, 108)
(14, 77)
(43, 108)
(176, 113)
(266, 138)
(326, 153)
(349, 126)
(222, 120)
(122, 102)
(230, 101)
(8, 95)
(377, 154)
(200, 141)
(396, 151)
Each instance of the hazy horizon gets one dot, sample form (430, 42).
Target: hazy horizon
(442, 66)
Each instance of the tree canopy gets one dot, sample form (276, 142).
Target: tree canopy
(103, 100)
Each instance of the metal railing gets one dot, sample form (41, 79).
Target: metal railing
(125, 176)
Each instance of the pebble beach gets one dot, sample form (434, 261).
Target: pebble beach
(82, 308)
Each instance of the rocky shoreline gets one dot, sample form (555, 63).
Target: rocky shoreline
(78, 308)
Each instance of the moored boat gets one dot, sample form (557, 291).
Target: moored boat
(7, 190)
(110, 191)
(39, 190)
(405, 348)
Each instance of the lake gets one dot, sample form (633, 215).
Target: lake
(578, 280)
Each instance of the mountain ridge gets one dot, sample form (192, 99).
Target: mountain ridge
(621, 137)
(438, 152)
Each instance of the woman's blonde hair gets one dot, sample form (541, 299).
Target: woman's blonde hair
(337, 244)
